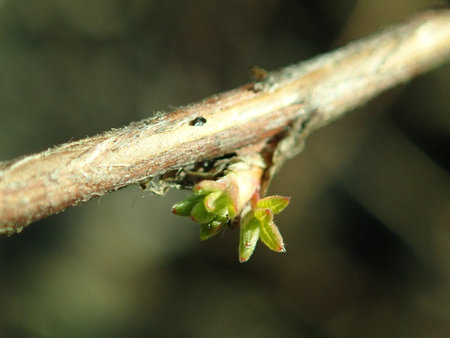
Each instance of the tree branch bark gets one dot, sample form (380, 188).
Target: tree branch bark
(314, 92)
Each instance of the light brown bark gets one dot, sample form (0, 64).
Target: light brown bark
(314, 92)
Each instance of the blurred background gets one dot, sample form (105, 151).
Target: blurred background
(368, 228)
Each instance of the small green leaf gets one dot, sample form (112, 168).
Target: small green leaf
(184, 207)
(275, 203)
(210, 229)
(199, 214)
(248, 238)
(270, 236)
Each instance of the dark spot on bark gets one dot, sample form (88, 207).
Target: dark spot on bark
(198, 121)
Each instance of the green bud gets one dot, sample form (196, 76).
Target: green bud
(184, 207)
(217, 203)
(210, 229)
(199, 213)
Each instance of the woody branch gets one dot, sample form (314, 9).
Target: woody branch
(315, 91)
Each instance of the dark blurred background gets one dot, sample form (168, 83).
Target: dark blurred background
(368, 228)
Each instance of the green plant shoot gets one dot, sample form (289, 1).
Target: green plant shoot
(214, 204)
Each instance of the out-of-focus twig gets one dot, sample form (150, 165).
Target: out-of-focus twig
(314, 92)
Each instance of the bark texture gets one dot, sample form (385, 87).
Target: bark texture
(290, 102)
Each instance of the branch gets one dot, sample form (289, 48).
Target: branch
(299, 98)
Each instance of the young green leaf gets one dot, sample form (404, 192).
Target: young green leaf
(210, 229)
(275, 203)
(249, 235)
(270, 236)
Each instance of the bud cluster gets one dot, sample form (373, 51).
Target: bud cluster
(214, 204)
